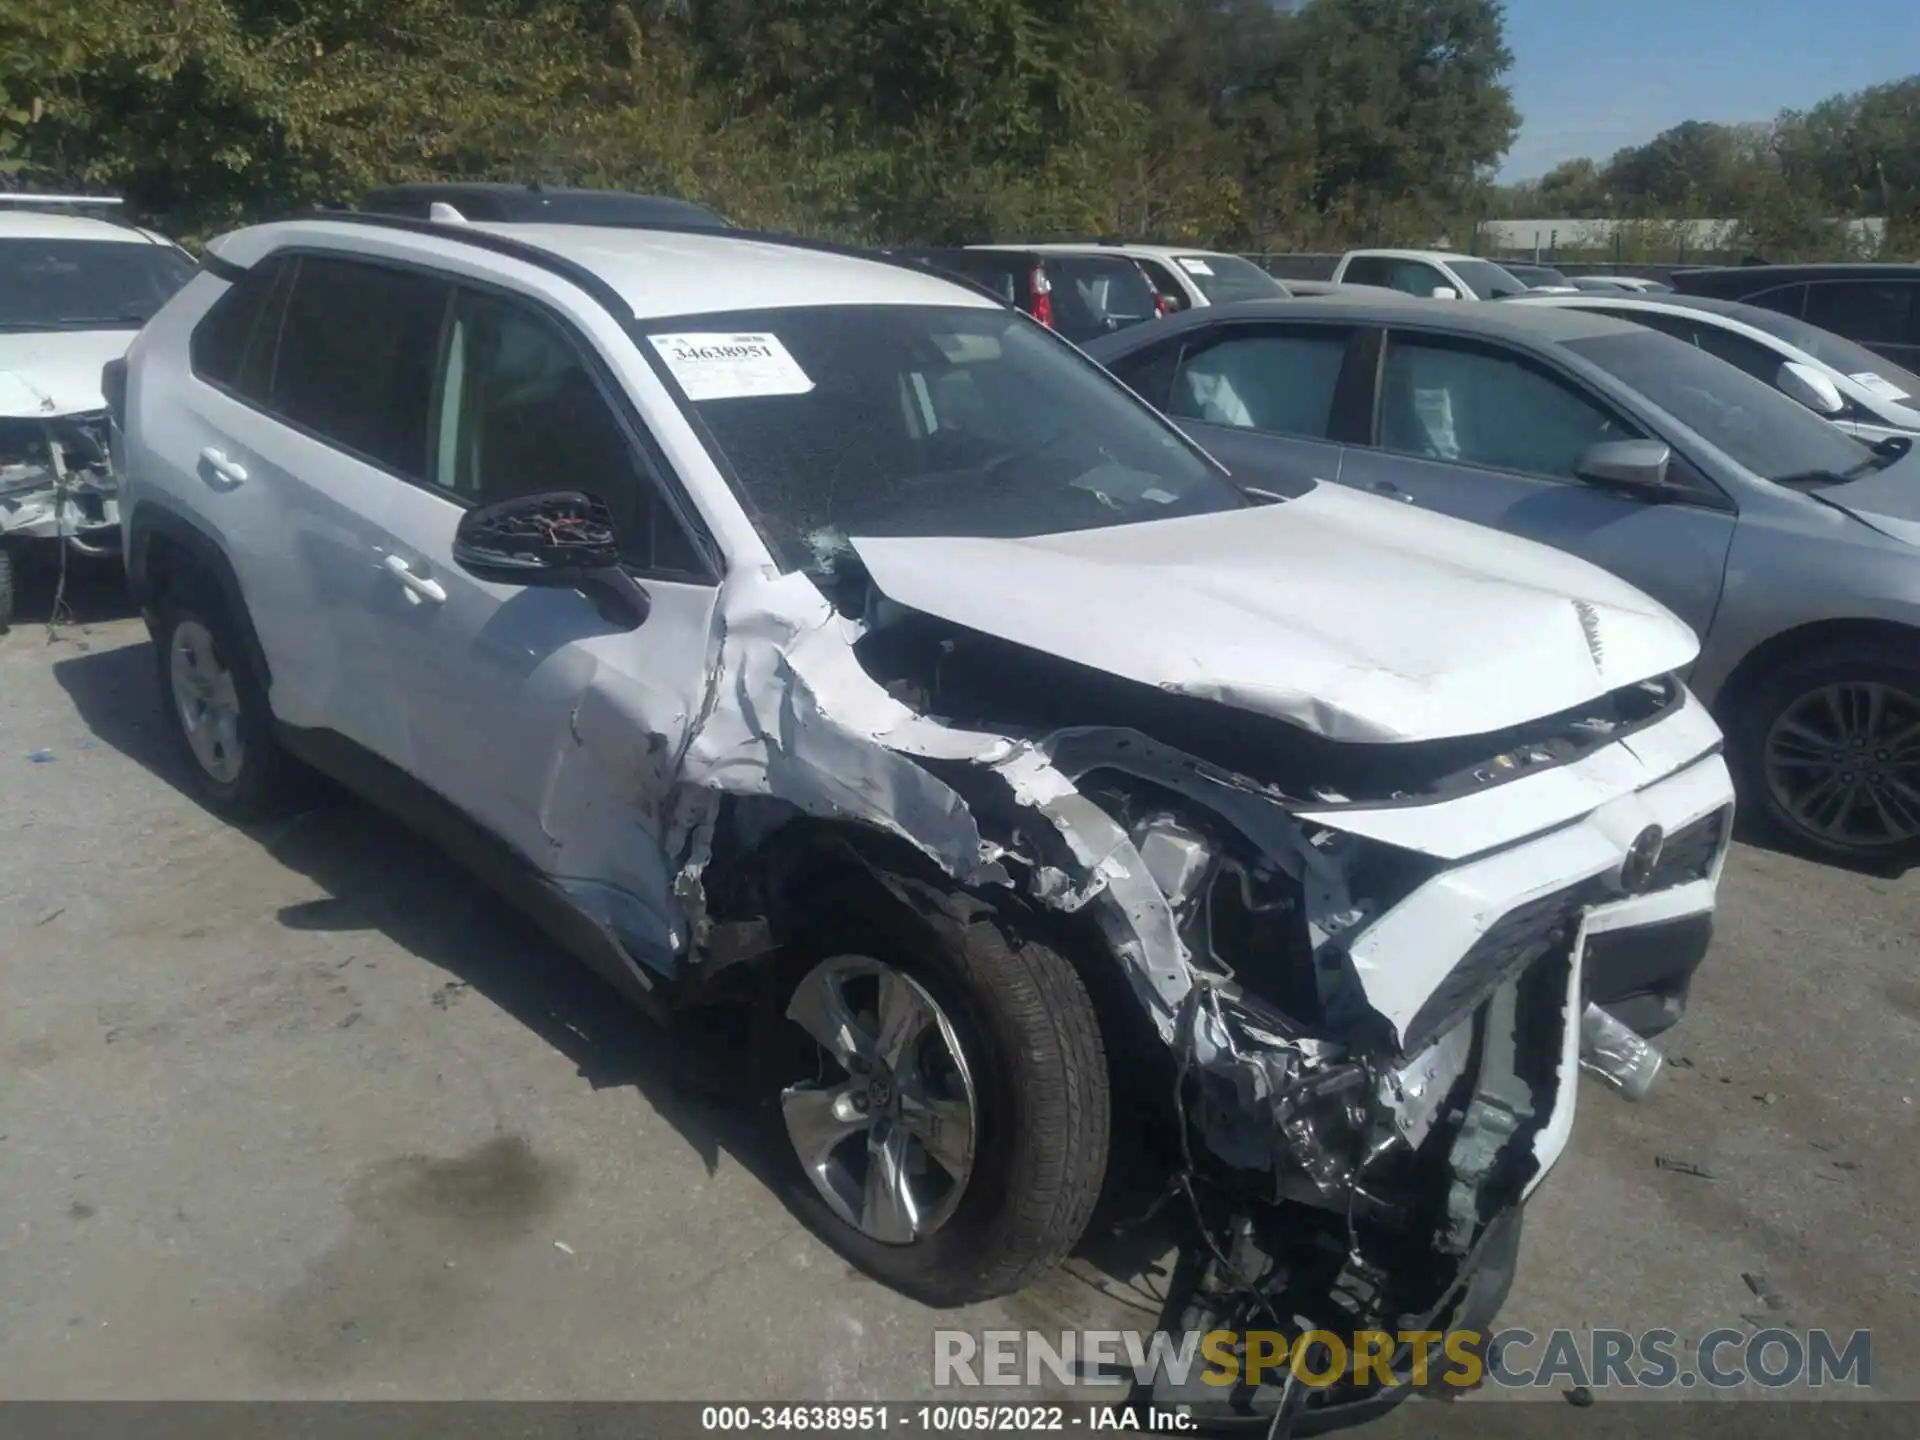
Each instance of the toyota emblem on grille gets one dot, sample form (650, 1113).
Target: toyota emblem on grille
(1636, 871)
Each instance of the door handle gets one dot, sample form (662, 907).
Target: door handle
(1390, 490)
(231, 471)
(418, 587)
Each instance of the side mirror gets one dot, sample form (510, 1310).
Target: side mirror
(1812, 389)
(1444, 292)
(562, 538)
(1636, 465)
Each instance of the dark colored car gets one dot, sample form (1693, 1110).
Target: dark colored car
(1536, 275)
(1080, 296)
(1876, 305)
(538, 204)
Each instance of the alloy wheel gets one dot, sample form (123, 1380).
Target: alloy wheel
(208, 701)
(1843, 762)
(888, 1140)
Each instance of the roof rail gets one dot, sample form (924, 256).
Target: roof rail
(587, 280)
(21, 197)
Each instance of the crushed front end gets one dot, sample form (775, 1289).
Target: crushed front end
(1366, 963)
(56, 482)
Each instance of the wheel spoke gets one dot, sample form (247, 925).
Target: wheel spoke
(887, 1210)
(1905, 747)
(1833, 698)
(1873, 707)
(820, 1120)
(820, 1008)
(944, 1128)
(1795, 743)
(1905, 799)
(903, 1018)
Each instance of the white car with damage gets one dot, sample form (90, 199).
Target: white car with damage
(852, 643)
(73, 290)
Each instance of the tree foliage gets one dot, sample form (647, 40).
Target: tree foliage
(1786, 181)
(1214, 120)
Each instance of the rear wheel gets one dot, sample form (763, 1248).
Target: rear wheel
(217, 710)
(952, 1135)
(1833, 752)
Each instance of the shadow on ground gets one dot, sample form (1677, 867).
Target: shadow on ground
(95, 589)
(1748, 829)
(376, 874)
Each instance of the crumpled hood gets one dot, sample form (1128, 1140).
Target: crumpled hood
(1889, 501)
(1351, 616)
(57, 372)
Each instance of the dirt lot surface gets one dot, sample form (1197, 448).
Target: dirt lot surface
(304, 1112)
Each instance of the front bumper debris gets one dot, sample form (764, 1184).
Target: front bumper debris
(56, 481)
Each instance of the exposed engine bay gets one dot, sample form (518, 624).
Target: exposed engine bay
(1359, 1120)
(56, 480)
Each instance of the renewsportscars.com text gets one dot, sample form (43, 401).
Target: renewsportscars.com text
(1512, 1359)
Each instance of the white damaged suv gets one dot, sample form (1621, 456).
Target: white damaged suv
(770, 619)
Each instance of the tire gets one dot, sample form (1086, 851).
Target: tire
(1029, 1043)
(256, 779)
(1776, 764)
(6, 589)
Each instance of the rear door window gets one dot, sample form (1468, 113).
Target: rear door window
(1368, 270)
(357, 358)
(233, 345)
(1096, 295)
(1282, 381)
(1164, 282)
(1874, 312)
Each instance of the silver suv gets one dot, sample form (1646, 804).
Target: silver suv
(769, 620)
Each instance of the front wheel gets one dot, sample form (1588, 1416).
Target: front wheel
(1833, 752)
(953, 1133)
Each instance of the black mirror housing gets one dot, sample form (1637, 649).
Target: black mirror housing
(561, 538)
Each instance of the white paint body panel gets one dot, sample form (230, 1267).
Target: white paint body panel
(56, 372)
(1348, 615)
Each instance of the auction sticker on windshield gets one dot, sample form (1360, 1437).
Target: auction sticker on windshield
(731, 367)
(1194, 266)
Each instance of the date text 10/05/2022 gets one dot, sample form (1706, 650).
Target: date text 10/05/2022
(940, 1418)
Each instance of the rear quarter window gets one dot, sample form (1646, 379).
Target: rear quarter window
(233, 344)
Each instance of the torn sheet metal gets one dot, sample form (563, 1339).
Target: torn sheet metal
(1342, 614)
(1511, 811)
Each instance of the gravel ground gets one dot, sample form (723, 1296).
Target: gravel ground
(305, 1113)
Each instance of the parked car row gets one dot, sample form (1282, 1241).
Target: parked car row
(1786, 543)
(75, 284)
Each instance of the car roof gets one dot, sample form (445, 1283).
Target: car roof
(1655, 300)
(658, 272)
(1073, 252)
(1496, 319)
(45, 225)
(1127, 247)
(1824, 270)
(580, 204)
(1417, 255)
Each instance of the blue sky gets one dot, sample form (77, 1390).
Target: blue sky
(1589, 79)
